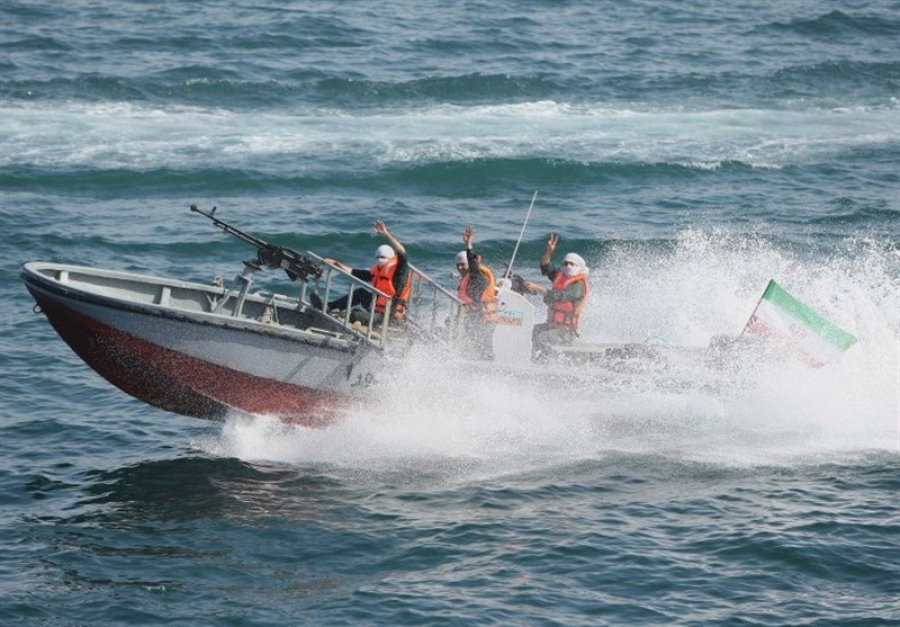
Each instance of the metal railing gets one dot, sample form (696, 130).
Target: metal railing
(431, 310)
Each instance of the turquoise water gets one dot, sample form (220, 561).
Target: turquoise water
(690, 152)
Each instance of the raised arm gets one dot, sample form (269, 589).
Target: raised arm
(471, 256)
(530, 286)
(552, 241)
(382, 230)
(468, 237)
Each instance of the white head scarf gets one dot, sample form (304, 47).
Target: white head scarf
(383, 253)
(462, 257)
(580, 266)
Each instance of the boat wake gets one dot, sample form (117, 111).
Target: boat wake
(439, 414)
(438, 418)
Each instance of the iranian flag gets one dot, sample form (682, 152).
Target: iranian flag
(800, 329)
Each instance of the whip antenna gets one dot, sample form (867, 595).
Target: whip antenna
(519, 241)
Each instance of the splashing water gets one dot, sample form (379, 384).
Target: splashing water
(443, 415)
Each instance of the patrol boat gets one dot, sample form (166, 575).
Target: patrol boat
(205, 349)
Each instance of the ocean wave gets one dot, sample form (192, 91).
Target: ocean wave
(477, 177)
(81, 136)
(838, 22)
(835, 82)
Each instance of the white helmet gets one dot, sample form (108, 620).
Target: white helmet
(383, 253)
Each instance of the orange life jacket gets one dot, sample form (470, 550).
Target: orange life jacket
(564, 314)
(486, 305)
(383, 279)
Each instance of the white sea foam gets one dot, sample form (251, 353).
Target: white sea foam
(434, 413)
(78, 134)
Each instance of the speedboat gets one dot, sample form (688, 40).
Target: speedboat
(204, 350)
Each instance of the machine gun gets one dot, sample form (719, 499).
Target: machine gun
(296, 265)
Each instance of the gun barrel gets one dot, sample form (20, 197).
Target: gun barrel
(296, 266)
(233, 230)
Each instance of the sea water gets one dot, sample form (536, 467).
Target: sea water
(690, 152)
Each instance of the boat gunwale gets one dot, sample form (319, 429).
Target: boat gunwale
(32, 275)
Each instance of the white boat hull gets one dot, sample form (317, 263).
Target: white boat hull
(204, 350)
(197, 363)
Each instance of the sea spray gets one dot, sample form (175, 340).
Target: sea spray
(754, 407)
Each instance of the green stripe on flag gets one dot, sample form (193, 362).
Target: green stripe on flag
(820, 326)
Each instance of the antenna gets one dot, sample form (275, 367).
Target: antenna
(519, 241)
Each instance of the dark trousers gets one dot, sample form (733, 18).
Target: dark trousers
(360, 297)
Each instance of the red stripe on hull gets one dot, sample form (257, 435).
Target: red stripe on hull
(179, 383)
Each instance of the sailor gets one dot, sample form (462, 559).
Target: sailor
(390, 273)
(477, 290)
(565, 299)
